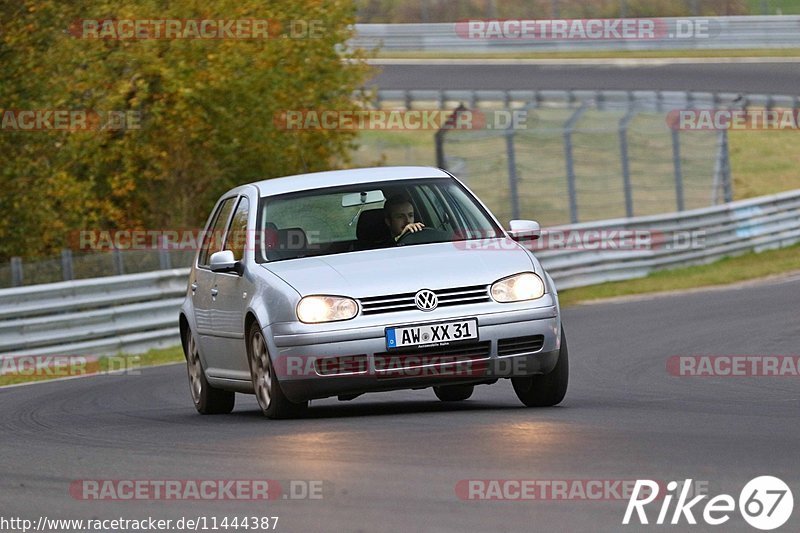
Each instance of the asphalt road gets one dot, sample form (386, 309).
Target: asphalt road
(391, 462)
(756, 78)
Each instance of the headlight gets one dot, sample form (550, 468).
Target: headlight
(519, 287)
(314, 309)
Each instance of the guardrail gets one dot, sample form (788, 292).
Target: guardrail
(657, 101)
(670, 33)
(129, 313)
(136, 312)
(755, 224)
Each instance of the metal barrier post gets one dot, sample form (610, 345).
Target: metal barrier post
(512, 172)
(623, 155)
(676, 163)
(569, 127)
(438, 137)
(164, 259)
(66, 265)
(119, 265)
(727, 182)
(16, 272)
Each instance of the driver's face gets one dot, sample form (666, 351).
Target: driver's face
(401, 215)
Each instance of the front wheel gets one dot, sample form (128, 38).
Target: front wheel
(548, 389)
(207, 399)
(271, 400)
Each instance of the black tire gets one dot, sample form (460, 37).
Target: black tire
(453, 393)
(270, 397)
(207, 400)
(548, 389)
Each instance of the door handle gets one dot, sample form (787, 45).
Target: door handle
(194, 287)
(214, 292)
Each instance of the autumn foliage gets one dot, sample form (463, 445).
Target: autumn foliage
(205, 110)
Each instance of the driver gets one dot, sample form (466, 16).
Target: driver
(399, 216)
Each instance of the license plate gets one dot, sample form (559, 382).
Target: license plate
(439, 334)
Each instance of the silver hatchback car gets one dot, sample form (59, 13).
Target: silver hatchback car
(345, 282)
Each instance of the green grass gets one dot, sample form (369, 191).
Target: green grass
(764, 162)
(120, 362)
(774, 7)
(723, 272)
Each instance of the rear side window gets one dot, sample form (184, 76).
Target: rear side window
(213, 237)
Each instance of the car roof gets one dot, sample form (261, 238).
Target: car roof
(333, 178)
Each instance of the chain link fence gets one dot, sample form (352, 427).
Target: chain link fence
(592, 159)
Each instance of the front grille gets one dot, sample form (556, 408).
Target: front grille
(373, 305)
(468, 357)
(518, 345)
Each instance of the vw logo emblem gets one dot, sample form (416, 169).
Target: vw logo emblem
(426, 300)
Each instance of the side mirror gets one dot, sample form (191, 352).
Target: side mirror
(223, 262)
(524, 230)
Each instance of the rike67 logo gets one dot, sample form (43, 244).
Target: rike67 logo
(765, 503)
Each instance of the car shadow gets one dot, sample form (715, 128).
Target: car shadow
(416, 407)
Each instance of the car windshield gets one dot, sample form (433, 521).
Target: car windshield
(370, 216)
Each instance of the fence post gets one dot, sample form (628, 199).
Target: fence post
(16, 272)
(164, 259)
(569, 126)
(438, 137)
(511, 158)
(66, 265)
(119, 266)
(727, 182)
(676, 163)
(623, 155)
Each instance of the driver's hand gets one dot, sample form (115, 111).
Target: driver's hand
(410, 228)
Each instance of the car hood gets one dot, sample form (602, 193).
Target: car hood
(405, 269)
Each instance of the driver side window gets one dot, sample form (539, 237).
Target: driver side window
(236, 239)
(212, 239)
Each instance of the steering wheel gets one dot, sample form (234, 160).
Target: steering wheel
(421, 236)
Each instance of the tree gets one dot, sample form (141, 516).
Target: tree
(205, 106)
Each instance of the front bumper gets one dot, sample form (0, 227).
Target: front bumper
(297, 355)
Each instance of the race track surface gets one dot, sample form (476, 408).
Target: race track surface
(755, 78)
(391, 462)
